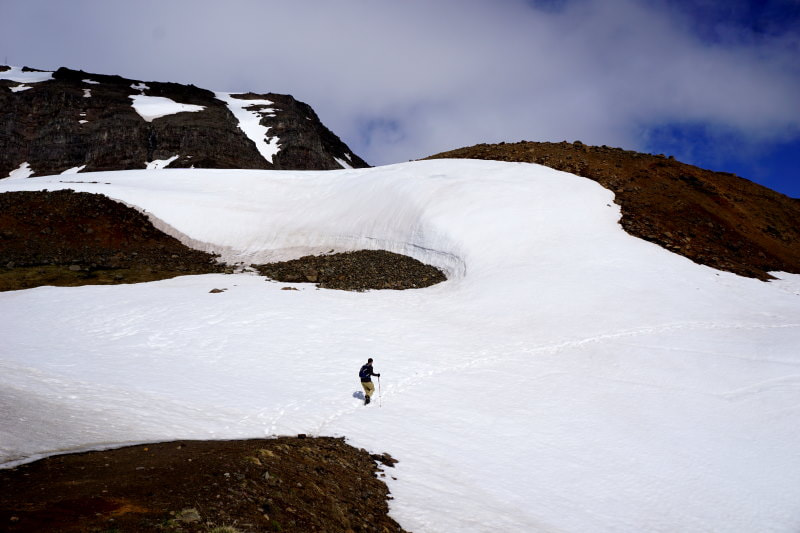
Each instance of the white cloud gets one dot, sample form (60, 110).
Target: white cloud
(429, 76)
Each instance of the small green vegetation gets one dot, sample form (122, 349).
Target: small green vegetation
(223, 529)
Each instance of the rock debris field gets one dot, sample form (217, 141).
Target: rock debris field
(355, 271)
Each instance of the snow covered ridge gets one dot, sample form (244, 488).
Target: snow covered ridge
(568, 377)
(276, 215)
(24, 77)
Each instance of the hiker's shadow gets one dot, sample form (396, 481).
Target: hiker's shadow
(358, 394)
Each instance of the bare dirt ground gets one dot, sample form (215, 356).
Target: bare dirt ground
(66, 238)
(287, 484)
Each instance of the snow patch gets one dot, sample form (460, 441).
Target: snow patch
(87, 93)
(139, 86)
(82, 121)
(153, 107)
(73, 170)
(23, 171)
(91, 82)
(20, 88)
(17, 74)
(250, 122)
(343, 163)
(158, 164)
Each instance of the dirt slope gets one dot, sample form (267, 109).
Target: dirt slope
(67, 238)
(285, 484)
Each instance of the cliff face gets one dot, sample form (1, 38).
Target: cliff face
(70, 119)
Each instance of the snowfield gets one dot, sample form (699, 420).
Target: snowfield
(567, 376)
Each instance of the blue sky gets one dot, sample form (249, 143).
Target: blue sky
(713, 145)
(714, 83)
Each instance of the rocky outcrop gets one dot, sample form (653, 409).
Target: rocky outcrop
(713, 218)
(68, 238)
(77, 120)
(355, 271)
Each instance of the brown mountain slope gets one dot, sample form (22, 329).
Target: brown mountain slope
(713, 218)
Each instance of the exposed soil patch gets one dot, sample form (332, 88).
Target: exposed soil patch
(355, 271)
(713, 218)
(285, 484)
(67, 238)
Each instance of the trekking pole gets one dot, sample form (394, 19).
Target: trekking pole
(380, 402)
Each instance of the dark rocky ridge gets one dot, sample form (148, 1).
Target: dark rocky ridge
(68, 238)
(41, 126)
(356, 271)
(284, 484)
(713, 218)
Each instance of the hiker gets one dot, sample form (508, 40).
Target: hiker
(366, 374)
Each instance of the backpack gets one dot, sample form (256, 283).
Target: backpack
(364, 373)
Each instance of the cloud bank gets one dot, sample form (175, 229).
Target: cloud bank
(402, 80)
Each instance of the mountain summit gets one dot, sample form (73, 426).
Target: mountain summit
(70, 121)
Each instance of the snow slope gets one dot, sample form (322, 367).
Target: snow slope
(567, 377)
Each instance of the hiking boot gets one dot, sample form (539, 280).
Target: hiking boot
(366, 400)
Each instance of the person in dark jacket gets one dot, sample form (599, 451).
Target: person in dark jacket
(366, 374)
